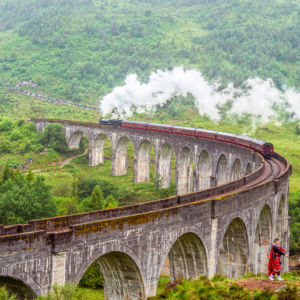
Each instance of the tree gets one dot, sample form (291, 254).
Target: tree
(23, 199)
(110, 202)
(96, 198)
(94, 202)
(92, 278)
(54, 137)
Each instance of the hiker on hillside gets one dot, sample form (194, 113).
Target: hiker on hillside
(274, 260)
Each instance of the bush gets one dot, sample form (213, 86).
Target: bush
(54, 137)
(288, 293)
(18, 193)
(66, 292)
(4, 295)
(92, 278)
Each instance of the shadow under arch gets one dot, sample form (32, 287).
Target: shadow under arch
(143, 161)
(204, 170)
(263, 233)
(97, 149)
(185, 171)
(222, 170)
(248, 169)
(166, 153)
(21, 285)
(121, 156)
(236, 171)
(121, 273)
(186, 258)
(75, 139)
(234, 250)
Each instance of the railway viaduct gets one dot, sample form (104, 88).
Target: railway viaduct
(229, 201)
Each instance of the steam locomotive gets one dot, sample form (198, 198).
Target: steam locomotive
(264, 148)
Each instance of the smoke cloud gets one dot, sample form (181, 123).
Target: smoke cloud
(259, 98)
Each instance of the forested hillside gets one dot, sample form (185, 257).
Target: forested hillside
(82, 49)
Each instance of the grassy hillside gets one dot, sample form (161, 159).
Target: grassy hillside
(82, 49)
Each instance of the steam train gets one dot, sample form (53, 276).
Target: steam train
(264, 148)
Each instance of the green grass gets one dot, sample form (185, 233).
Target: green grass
(218, 287)
(92, 294)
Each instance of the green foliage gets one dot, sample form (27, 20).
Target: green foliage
(290, 293)
(4, 295)
(66, 205)
(53, 137)
(66, 292)
(96, 198)
(81, 49)
(19, 193)
(110, 202)
(294, 210)
(92, 278)
(94, 202)
(202, 288)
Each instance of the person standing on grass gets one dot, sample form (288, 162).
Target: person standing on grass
(274, 260)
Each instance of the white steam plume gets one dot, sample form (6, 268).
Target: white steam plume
(258, 99)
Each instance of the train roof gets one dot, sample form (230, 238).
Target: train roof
(243, 137)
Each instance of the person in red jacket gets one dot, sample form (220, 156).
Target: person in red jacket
(274, 260)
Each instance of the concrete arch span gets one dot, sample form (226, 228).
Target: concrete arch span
(222, 170)
(236, 171)
(143, 161)
(75, 138)
(165, 165)
(121, 276)
(185, 171)
(263, 233)
(20, 284)
(248, 169)
(204, 170)
(120, 161)
(234, 250)
(97, 149)
(187, 258)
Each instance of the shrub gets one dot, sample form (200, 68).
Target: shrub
(92, 278)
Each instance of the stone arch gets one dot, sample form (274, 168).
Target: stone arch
(121, 276)
(143, 161)
(97, 149)
(187, 258)
(248, 169)
(236, 171)
(263, 233)
(165, 165)
(234, 250)
(75, 138)
(27, 286)
(222, 170)
(279, 224)
(204, 170)
(120, 161)
(185, 171)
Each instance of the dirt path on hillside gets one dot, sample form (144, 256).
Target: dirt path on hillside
(68, 160)
(62, 164)
(261, 284)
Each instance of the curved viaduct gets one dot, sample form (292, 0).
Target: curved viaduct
(229, 200)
